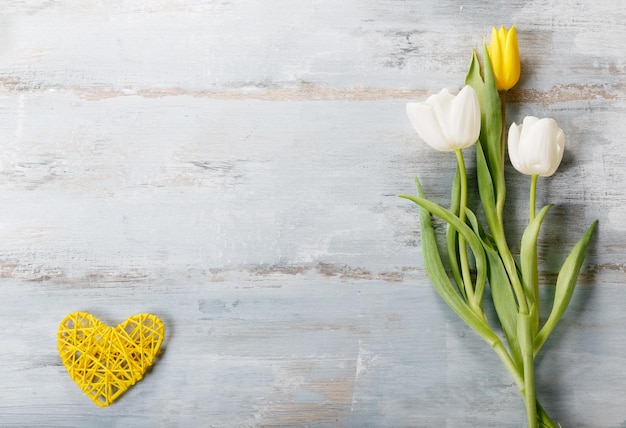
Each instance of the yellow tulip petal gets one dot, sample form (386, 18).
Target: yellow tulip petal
(495, 54)
(494, 45)
(511, 59)
(502, 35)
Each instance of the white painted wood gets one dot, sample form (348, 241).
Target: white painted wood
(232, 166)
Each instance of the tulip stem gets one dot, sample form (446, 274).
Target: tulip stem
(503, 134)
(533, 196)
(525, 337)
(499, 235)
(501, 188)
(465, 270)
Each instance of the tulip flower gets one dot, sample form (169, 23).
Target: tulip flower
(504, 55)
(536, 146)
(447, 122)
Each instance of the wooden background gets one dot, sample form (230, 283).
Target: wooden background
(231, 166)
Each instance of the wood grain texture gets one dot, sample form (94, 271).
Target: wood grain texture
(232, 166)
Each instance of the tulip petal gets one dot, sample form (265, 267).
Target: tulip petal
(526, 147)
(529, 121)
(511, 59)
(424, 120)
(549, 138)
(558, 150)
(502, 34)
(513, 143)
(442, 106)
(532, 148)
(464, 121)
(542, 153)
(495, 54)
(537, 146)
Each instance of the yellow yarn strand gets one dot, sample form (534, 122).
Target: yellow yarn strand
(106, 361)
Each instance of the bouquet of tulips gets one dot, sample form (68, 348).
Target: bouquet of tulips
(452, 123)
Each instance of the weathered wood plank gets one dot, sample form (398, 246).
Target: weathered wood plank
(167, 48)
(219, 184)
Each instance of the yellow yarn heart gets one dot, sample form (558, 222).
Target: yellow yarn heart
(106, 361)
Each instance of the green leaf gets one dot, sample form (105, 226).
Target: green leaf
(486, 191)
(565, 284)
(455, 198)
(479, 290)
(485, 239)
(452, 243)
(501, 292)
(436, 271)
(491, 117)
(528, 261)
(492, 141)
(465, 231)
(473, 77)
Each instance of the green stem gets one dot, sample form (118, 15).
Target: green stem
(529, 389)
(533, 197)
(542, 419)
(501, 188)
(525, 334)
(465, 270)
(499, 235)
(503, 136)
(511, 270)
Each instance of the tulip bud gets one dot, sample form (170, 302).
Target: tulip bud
(536, 146)
(504, 55)
(445, 121)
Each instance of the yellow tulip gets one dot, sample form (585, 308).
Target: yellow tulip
(504, 55)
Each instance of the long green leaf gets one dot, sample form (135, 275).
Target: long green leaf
(474, 78)
(565, 284)
(501, 292)
(486, 191)
(440, 281)
(493, 127)
(491, 117)
(528, 261)
(464, 230)
(452, 242)
(480, 287)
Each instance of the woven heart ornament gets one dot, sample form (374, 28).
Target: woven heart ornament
(106, 361)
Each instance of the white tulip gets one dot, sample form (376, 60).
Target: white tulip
(536, 146)
(445, 121)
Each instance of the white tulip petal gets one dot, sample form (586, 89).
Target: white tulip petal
(465, 118)
(541, 154)
(442, 105)
(546, 147)
(557, 155)
(424, 120)
(530, 120)
(513, 143)
(560, 140)
(526, 128)
(534, 151)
